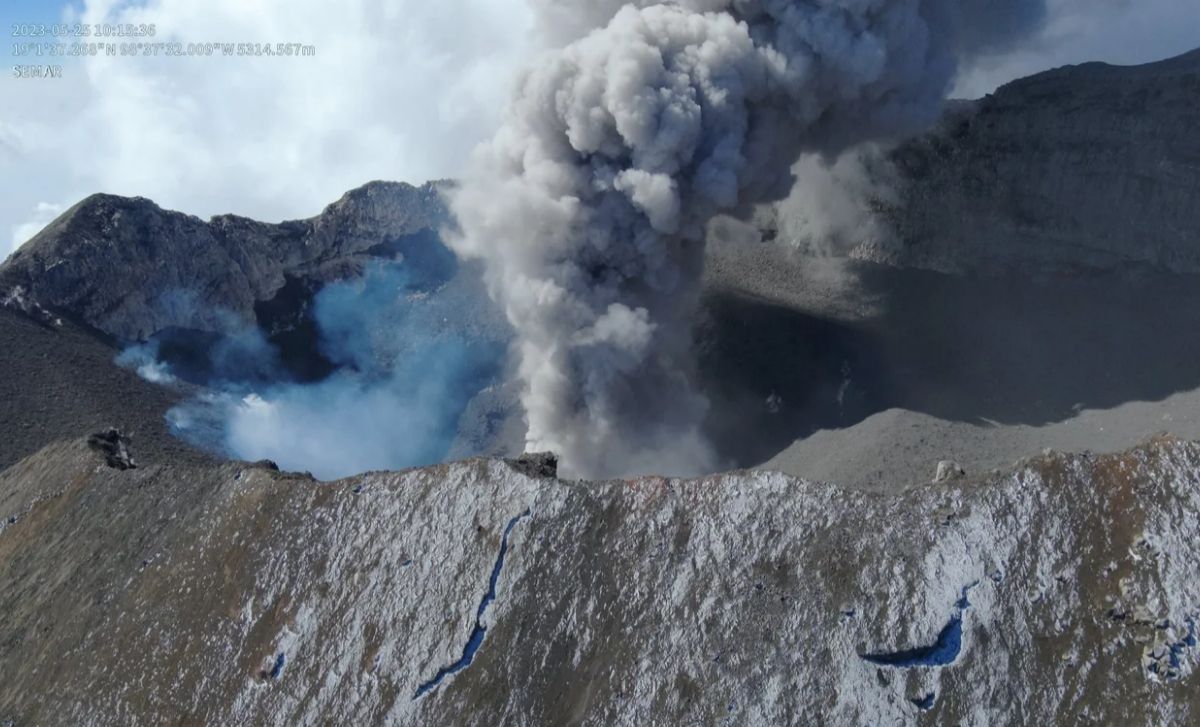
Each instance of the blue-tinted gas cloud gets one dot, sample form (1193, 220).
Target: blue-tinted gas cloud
(411, 350)
(407, 371)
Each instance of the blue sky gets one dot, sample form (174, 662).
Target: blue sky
(29, 11)
(34, 12)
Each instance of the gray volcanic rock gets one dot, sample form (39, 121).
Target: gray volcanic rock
(1090, 166)
(1063, 592)
(115, 447)
(131, 269)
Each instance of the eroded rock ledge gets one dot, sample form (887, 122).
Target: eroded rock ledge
(1065, 591)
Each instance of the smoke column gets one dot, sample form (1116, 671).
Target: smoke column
(589, 205)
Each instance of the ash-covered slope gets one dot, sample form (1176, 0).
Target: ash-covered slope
(1062, 592)
(58, 380)
(131, 269)
(1090, 166)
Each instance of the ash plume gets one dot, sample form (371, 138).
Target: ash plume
(589, 206)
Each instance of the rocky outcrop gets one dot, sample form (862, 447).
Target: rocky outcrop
(1083, 167)
(1059, 593)
(131, 269)
(115, 447)
(15, 299)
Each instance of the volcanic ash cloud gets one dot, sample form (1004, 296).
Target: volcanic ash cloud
(589, 205)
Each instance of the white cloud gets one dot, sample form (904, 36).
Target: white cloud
(399, 89)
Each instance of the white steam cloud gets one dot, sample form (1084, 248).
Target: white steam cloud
(397, 89)
(589, 206)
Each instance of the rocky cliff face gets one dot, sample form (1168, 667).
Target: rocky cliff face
(1062, 592)
(1082, 167)
(131, 269)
